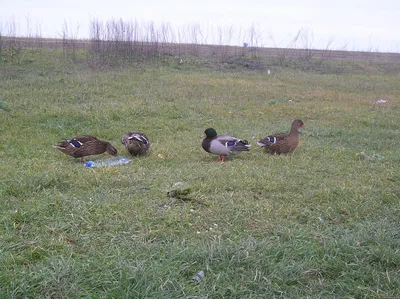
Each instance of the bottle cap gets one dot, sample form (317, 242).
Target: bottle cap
(89, 164)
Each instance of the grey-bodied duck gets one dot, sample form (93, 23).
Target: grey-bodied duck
(222, 145)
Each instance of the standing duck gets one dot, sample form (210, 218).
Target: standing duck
(136, 143)
(82, 146)
(283, 143)
(223, 146)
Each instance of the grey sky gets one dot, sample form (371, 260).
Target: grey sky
(353, 25)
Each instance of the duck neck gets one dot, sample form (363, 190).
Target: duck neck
(294, 132)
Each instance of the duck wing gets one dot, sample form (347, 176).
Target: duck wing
(271, 139)
(283, 146)
(134, 137)
(75, 142)
(83, 138)
(232, 144)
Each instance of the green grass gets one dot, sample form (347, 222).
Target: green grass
(322, 222)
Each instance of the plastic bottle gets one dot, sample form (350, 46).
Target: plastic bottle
(108, 162)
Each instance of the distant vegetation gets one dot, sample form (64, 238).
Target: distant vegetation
(117, 43)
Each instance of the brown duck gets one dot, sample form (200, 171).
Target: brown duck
(82, 146)
(136, 143)
(283, 143)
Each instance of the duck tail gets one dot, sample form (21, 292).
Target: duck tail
(242, 146)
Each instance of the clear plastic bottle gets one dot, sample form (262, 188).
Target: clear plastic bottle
(108, 162)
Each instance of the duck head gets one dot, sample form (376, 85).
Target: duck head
(210, 132)
(111, 150)
(297, 124)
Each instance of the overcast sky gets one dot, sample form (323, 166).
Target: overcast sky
(367, 25)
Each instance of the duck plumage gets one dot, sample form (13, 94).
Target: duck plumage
(136, 143)
(86, 145)
(223, 145)
(283, 143)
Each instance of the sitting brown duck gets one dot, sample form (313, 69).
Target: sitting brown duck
(283, 143)
(136, 143)
(86, 145)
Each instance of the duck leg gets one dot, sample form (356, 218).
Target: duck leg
(221, 159)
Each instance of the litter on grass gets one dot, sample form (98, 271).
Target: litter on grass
(199, 276)
(378, 103)
(373, 157)
(179, 189)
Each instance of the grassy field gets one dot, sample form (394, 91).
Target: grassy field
(323, 222)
